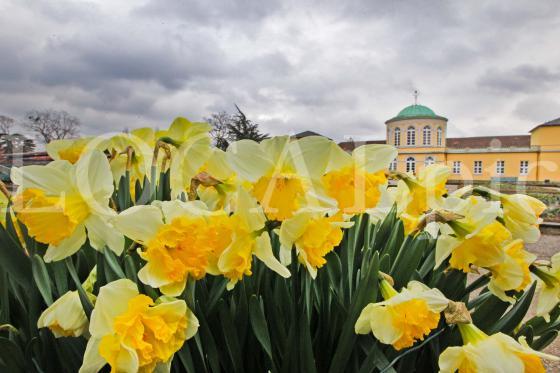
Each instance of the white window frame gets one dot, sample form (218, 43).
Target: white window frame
(500, 167)
(429, 160)
(524, 168)
(411, 136)
(411, 164)
(393, 165)
(439, 136)
(457, 167)
(427, 136)
(477, 168)
(397, 136)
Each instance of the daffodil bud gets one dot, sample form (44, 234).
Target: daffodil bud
(65, 317)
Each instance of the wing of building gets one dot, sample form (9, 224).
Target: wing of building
(421, 138)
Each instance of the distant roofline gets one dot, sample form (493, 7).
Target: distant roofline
(397, 118)
(550, 123)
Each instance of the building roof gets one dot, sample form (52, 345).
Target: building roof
(416, 112)
(518, 141)
(351, 145)
(554, 122)
(303, 134)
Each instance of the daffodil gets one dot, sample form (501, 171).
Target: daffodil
(513, 273)
(476, 238)
(128, 151)
(215, 182)
(495, 353)
(68, 149)
(313, 235)
(356, 181)
(417, 195)
(282, 174)
(185, 239)
(61, 204)
(191, 148)
(65, 317)
(402, 318)
(549, 289)
(133, 333)
(249, 238)
(521, 214)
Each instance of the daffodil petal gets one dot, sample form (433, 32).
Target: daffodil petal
(263, 251)
(67, 247)
(102, 234)
(139, 223)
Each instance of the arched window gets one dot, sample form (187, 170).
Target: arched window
(397, 136)
(410, 136)
(439, 136)
(429, 160)
(393, 165)
(411, 165)
(427, 135)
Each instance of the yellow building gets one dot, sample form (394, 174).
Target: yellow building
(421, 138)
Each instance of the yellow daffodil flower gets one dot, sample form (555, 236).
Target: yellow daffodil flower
(356, 181)
(249, 238)
(133, 333)
(313, 234)
(513, 273)
(215, 182)
(521, 213)
(68, 149)
(185, 239)
(281, 174)
(475, 239)
(191, 149)
(117, 145)
(417, 195)
(65, 317)
(549, 290)
(402, 318)
(495, 353)
(60, 202)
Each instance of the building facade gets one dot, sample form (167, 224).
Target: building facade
(421, 139)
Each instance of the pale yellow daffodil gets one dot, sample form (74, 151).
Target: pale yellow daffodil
(68, 149)
(549, 290)
(495, 353)
(61, 204)
(65, 317)
(313, 234)
(132, 333)
(513, 273)
(417, 195)
(283, 174)
(357, 181)
(402, 318)
(185, 239)
(476, 238)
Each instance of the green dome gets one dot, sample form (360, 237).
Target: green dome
(416, 111)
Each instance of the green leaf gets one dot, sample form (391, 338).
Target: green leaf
(545, 340)
(13, 259)
(259, 325)
(114, 268)
(11, 356)
(231, 338)
(514, 316)
(42, 279)
(84, 299)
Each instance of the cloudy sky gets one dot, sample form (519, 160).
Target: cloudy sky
(340, 68)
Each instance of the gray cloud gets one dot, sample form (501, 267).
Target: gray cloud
(338, 68)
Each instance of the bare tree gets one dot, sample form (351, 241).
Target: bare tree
(52, 124)
(6, 124)
(220, 128)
